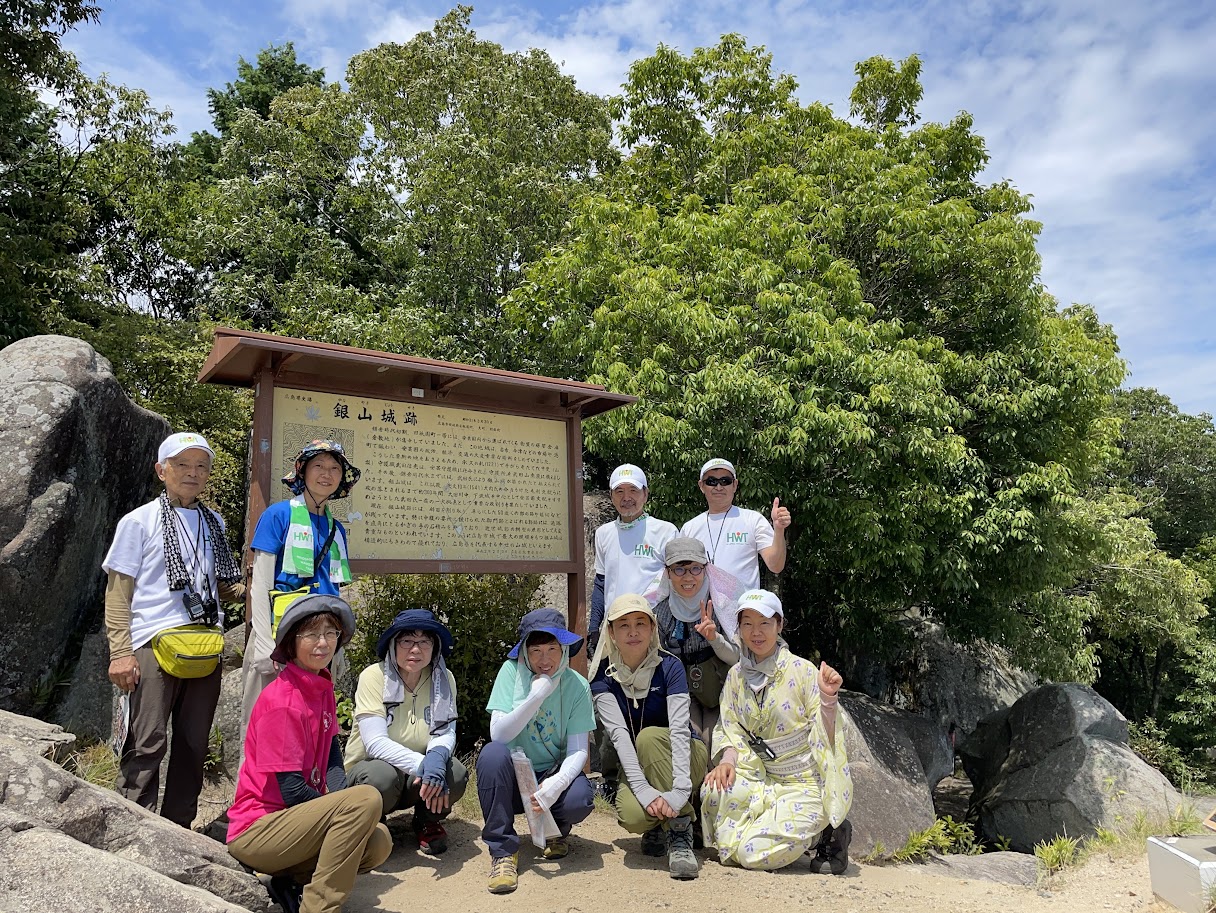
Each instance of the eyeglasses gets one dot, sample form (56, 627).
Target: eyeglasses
(715, 481)
(313, 637)
(695, 569)
(409, 643)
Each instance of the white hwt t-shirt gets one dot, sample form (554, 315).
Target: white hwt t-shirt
(630, 555)
(733, 540)
(138, 551)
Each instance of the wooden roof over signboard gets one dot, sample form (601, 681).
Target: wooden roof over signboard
(238, 358)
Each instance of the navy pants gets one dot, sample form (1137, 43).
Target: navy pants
(498, 793)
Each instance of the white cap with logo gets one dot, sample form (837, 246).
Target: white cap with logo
(718, 463)
(183, 440)
(627, 474)
(762, 601)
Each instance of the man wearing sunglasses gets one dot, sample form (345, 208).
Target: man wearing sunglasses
(628, 551)
(734, 536)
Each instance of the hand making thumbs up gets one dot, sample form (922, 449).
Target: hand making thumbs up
(781, 515)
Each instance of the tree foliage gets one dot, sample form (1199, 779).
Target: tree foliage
(398, 212)
(853, 317)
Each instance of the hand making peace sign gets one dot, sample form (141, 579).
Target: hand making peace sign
(707, 627)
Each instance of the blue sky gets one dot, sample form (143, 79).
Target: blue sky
(1101, 110)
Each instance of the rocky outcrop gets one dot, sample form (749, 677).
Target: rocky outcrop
(1057, 763)
(953, 684)
(896, 758)
(60, 834)
(80, 454)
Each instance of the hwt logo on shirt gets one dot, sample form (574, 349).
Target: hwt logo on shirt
(737, 538)
(644, 550)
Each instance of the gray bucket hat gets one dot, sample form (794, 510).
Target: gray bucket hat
(684, 548)
(304, 608)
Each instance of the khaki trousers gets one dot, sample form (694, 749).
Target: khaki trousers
(324, 842)
(653, 746)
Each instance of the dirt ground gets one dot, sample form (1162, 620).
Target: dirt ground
(606, 871)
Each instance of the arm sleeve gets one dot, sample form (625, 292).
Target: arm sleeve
(335, 774)
(596, 618)
(373, 730)
(294, 788)
(445, 739)
(120, 589)
(572, 765)
(261, 644)
(506, 725)
(681, 750)
(724, 649)
(613, 721)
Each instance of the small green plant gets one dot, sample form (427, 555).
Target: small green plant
(945, 835)
(876, 855)
(1002, 844)
(213, 764)
(94, 764)
(1057, 854)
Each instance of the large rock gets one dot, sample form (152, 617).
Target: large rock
(954, 684)
(37, 794)
(80, 455)
(1057, 763)
(896, 758)
(45, 870)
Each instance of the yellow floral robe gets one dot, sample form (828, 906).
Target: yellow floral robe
(770, 817)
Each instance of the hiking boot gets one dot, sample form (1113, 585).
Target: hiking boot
(556, 848)
(504, 877)
(432, 838)
(286, 892)
(832, 851)
(681, 860)
(654, 842)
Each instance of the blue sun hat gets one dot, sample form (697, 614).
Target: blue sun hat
(548, 621)
(416, 620)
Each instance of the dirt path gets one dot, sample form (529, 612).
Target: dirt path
(606, 871)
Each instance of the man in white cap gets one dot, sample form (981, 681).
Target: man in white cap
(168, 568)
(629, 550)
(734, 536)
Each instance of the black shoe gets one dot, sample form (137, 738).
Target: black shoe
(832, 851)
(286, 892)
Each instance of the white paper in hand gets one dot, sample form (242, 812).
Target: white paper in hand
(540, 824)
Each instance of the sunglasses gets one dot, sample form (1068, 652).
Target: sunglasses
(715, 481)
(695, 569)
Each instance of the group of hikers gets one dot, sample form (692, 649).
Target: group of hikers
(708, 727)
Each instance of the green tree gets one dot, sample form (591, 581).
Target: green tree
(1169, 464)
(396, 214)
(851, 315)
(256, 86)
(39, 205)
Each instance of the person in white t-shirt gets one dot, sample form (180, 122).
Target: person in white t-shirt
(734, 537)
(168, 568)
(629, 550)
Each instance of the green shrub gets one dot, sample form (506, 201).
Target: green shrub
(482, 611)
(1151, 743)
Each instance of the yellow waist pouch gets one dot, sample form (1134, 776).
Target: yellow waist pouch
(189, 651)
(280, 602)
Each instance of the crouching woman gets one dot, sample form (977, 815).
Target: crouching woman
(641, 698)
(782, 784)
(293, 816)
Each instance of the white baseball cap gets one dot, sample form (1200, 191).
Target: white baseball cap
(718, 463)
(627, 474)
(762, 601)
(183, 440)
